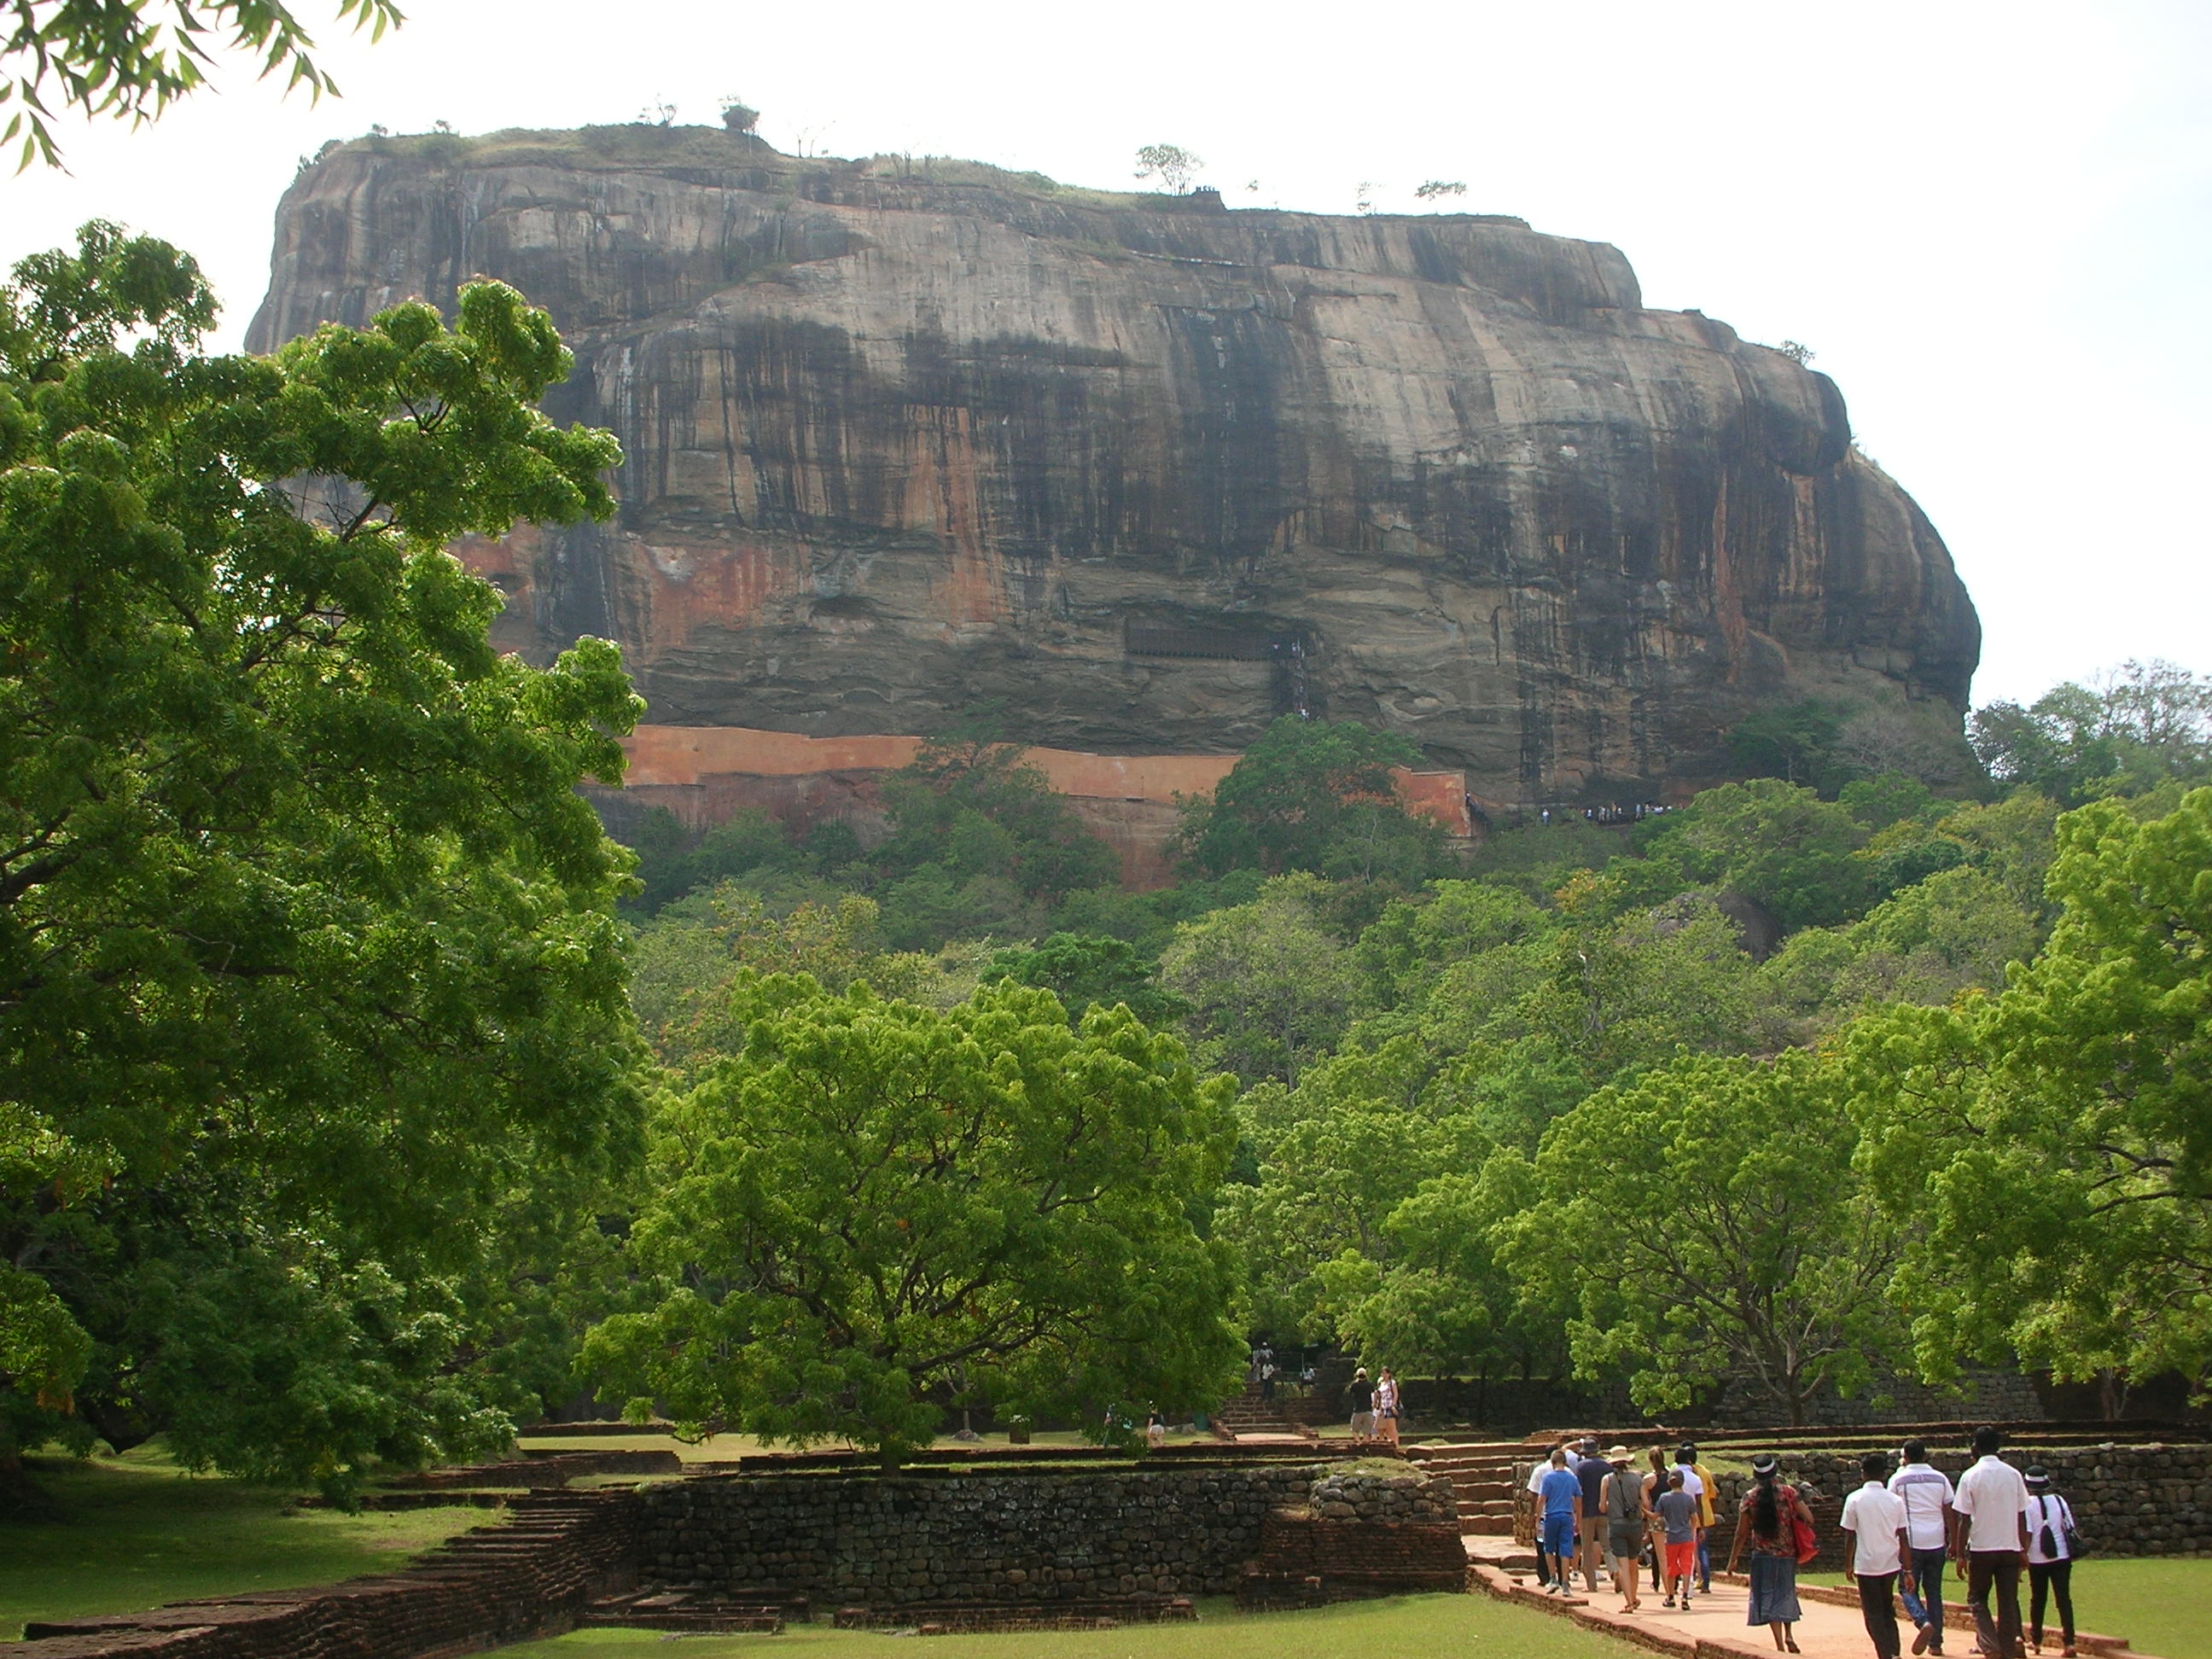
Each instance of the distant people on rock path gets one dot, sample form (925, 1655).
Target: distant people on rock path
(1620, 1503)
(1881, 1554)
(1926, 1494)
(1561, 1495)
(2050, 1535)
(1767, 1521)
(1991, 1546)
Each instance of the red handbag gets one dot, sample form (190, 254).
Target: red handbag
(1808, 1546)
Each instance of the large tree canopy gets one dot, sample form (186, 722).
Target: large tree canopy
(308, 961)
(877, 1211)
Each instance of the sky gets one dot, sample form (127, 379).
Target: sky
(1992, 223)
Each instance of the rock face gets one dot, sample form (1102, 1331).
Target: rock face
(1149, 472)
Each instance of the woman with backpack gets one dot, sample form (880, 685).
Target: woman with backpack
(1771, 1517)
(2050, 1544)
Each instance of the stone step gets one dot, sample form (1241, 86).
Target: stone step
(1488, 1526)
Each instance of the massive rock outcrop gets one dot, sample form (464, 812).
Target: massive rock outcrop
(905, 439)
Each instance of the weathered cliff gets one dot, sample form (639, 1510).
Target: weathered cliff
(903, 439)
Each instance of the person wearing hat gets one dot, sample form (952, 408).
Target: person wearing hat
(1362, 1395)
(1622, 1506)
(2050, 1558)
(1767, 1519)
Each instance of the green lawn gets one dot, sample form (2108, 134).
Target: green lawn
(136, 1532)
(2161, 1605)
(1457, 1625)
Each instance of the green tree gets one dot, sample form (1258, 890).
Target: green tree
(1779, 844)
(1088, 971)
(2055, 1138)
(1794, 742)
(2147, 724)
(876, 1211)
(132, 58)
(308, 964)
(1747, 1246)
(1268, 986)
(1316, 795)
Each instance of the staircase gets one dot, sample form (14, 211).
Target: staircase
(1247, 1416)
(1488, 1475)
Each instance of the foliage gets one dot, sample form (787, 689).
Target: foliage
(1088, 971)
(1794, 742)
(1433, 191)
(1171, 164)
(1778, 844)
(2149, 724)
(111, 58)
(876, 1210)
(1267, 985)
(1316, 795)
(2054, 1136)
(1743, 1245)
(307, 960)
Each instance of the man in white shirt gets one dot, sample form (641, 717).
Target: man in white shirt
(1875, 1517)
(1991, 1504)
(1926, 1493)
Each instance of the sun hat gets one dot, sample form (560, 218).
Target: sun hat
(1764, 1464)
(1617, 1454)
(2037, 1475)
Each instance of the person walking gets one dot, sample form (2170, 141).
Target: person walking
(1992, 1543)
(1362, 1395)
(1530, 1515)
(1620, 1502)
(1767, 1519)
(1875, 1517)
(1700, 1486)
(1592, 1469)
(1678, 1515)
(2050, 1558)
(1654, 1488)
(1386, 1407)
(1926, 1493)
(1562, 1499)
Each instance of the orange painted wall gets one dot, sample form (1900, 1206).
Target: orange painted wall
(705, 773)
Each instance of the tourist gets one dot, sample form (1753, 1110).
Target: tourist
(1678, 1514)
(1655, 1484)
(2050, 1558)
(1267, 1380)
(1767, 1519)
(1926, 1495)
(1992, 1543)
(1561, 1495)
(1875, 1517)
(1699, 1485)
(1532, 1511)
(1620, 1502)
(1386, 1407)
(1592, 1470)
(1362, 1406)
(1156, 1432)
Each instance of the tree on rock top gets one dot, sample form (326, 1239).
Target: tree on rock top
(877, 1211)
(1316, 795)
(312, 1009)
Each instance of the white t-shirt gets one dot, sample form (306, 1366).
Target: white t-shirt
(1536, 1477)
(2048, 1509)
(1992, 1496)
(1690, 1484)
(1925, 1492)
(1872, 1515)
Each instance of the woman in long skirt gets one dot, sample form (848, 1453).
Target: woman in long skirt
(1767, 1519)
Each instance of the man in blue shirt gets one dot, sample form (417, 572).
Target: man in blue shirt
(1560, 1495)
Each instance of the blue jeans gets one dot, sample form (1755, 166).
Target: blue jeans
(1559, 1539)
(1923, 1602)
(1705, 1562)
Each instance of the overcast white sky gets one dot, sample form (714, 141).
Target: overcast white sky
(1991, 222)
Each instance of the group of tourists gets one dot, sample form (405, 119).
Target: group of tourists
(1595, 1510)
(1375, 1409)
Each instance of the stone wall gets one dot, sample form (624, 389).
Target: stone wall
(955, 1536)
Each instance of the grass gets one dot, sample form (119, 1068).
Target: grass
(1457, 1625)
(2161, 1605)
(136, 1531)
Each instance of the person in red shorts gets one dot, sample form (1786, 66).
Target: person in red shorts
(1678, 1515)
